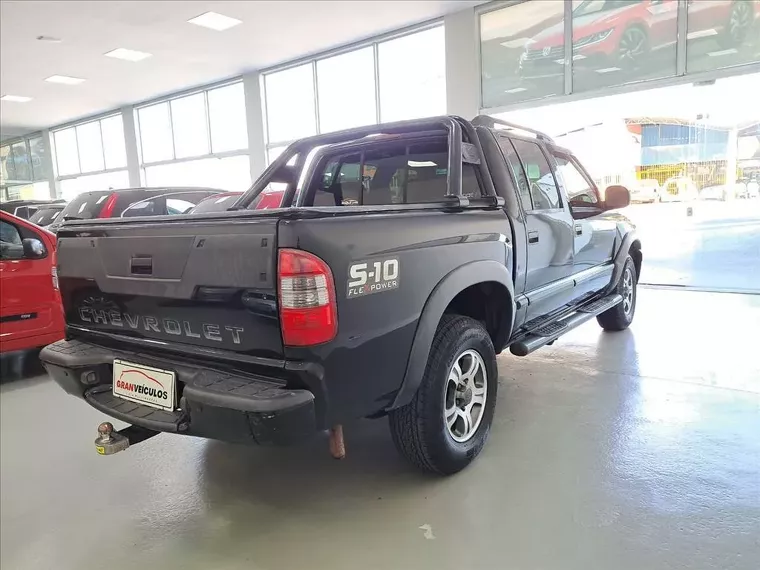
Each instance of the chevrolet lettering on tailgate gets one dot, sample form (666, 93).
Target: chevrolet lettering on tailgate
(209, 331)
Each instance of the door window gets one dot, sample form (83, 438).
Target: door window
(580, 191)
(540, 179)
(10, 242)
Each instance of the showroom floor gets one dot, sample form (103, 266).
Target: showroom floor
(636, 450)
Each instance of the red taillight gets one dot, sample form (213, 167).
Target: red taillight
(107, 210)
(308, 312)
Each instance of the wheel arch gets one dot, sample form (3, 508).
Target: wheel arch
(459, 289)
(630, 245)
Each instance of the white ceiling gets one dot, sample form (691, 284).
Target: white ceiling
(184, 55)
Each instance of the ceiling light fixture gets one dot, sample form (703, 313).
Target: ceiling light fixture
(214, 21)
(15, 98)
(65, 79)
(128, 54)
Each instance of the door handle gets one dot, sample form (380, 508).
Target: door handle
(141, 266)
(532, 237)
(578, 229)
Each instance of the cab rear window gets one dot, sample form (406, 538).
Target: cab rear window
(397, 173)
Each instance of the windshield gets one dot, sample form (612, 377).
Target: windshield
(85, 206)
(216, 204)
(45, 216)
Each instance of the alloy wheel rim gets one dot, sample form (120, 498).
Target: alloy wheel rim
(739, 20)
(632, 45)
(465, 395)
(628, 291)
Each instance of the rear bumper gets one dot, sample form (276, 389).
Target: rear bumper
(212, 403)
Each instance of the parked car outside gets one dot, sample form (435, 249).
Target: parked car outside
(46, 215)
(25, 208)
(31, 314)
(270, 198)
(216, 203)
(723, 192)
(131, 202)
(646, 191)
(679, 189)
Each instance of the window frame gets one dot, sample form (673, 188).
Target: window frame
(208, 121)
(374, 42)
(83, 174)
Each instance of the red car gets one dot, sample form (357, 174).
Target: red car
(614, 34)
(31, 314)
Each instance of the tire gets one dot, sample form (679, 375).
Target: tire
(620, 316)
(739, 25)
(420, 429)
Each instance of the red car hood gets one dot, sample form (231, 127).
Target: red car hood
(582, 26)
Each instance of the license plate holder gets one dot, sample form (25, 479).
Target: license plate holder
(144, 384)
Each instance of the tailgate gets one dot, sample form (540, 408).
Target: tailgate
(198, 282)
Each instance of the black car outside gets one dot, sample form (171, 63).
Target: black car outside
(115, 203)
(46, 215)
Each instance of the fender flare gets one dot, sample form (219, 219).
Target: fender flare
(629, 240)
(444, 292)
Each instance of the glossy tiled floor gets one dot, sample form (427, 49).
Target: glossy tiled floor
(635, 450)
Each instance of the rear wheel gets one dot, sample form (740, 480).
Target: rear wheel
(620, 316)
(447, 422)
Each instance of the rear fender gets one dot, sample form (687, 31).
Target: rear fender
(448, 288)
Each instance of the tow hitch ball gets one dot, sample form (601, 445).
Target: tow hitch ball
(110, 441)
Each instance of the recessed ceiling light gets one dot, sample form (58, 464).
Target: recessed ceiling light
(15, 98)
(65, 79)
(214, 21)
(128, 54)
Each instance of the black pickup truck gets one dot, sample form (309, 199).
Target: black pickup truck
(403, 259)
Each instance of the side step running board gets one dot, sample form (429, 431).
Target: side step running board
(552, 331)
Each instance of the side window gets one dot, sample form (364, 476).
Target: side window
(510, 155)
(579, 189)
(10, 242)
(543, 189)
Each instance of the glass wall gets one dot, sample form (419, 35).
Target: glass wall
(22, 171)
(617, 42)
(722, 33)
(199, 139)
(522, 52)
(614, 42)
(400, 78)
(91, 156)
(412, 75)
